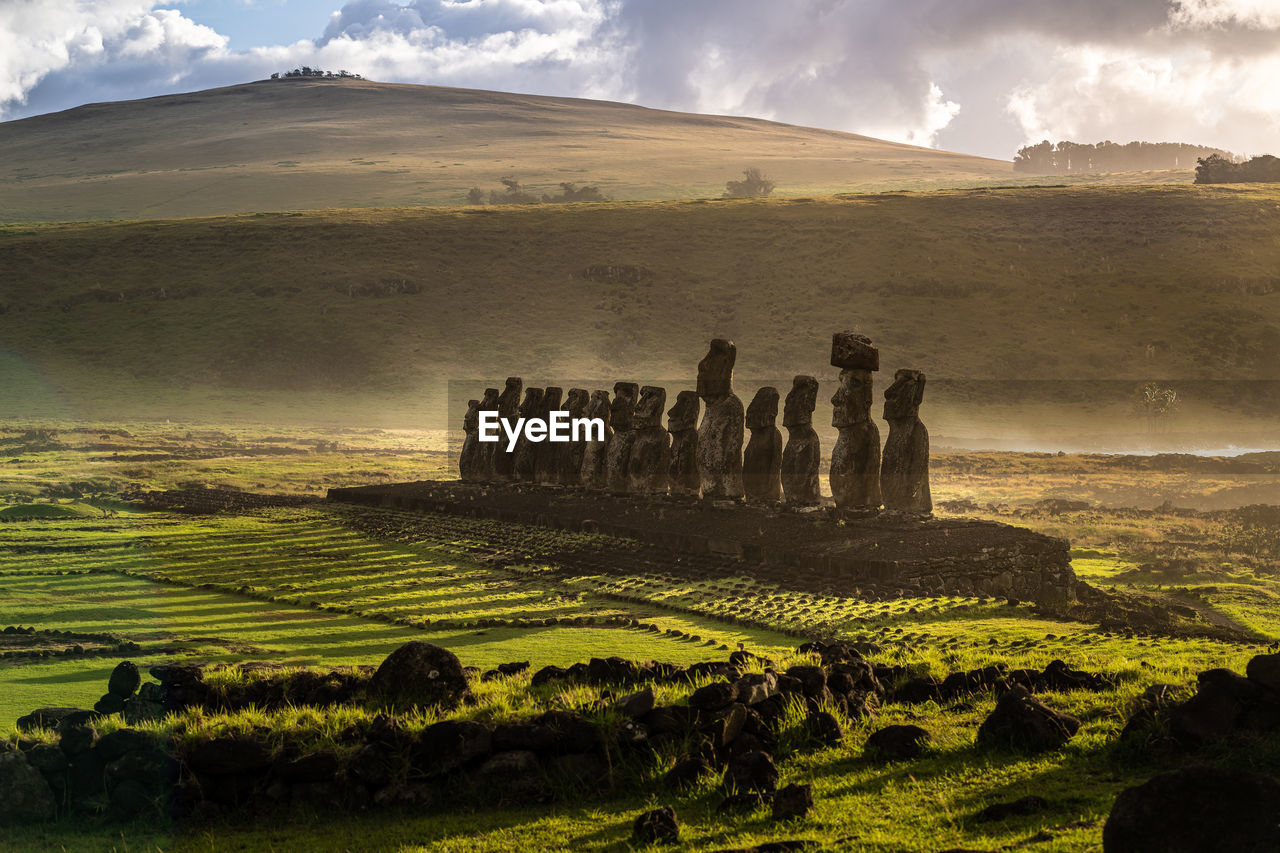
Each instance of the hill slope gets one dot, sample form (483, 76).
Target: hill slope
(299, 144)
(372, 311)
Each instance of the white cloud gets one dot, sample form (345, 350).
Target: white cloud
(1191, 94)
(1253, 14)
(1176, 70)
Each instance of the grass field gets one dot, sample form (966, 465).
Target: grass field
(322, 585)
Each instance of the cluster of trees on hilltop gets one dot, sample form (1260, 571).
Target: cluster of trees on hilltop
(513, 192)
(1220, 170)
(1067, 157)
(308, 71)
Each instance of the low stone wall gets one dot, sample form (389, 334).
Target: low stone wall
(208, 501)
(729, 726)
(927, 556)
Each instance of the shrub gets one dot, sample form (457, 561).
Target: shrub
(755, 184)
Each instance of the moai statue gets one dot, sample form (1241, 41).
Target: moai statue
(504, 461)
(569, 457)
(484, 450)
(467, 456)
(803, 452)
(650, 457)
(904, 476)
(618, 456)
(855, 460)
(526, 452)
(720, 435)
(682, 423)
(546, 454)
(594, 453)
(762, 460)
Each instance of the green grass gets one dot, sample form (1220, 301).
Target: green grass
(275, 585)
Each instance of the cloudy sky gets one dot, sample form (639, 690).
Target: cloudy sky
(979, 76)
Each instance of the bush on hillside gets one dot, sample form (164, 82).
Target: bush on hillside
(754, 184)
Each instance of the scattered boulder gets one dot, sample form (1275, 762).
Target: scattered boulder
(737, 803)
(25, 795)
(125, 680)
(1022, 722)
(825, 728)
(713, 696)
(52, 718)
(792, 802)
(917, 690)
(419, 673)
(657, 827)
(751, 771)
(229, 755)
(1196, 810)
(77, 739)
(1265, 671)
(897, 743)
(687, 772)
(115, 744)
(756, 687)
(449, 744)
(513, 777)
(636, 705)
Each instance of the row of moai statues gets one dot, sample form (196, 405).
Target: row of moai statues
(639, 456)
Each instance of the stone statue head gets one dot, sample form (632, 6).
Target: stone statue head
(599, 407)
(802, 399)
(550, 400)
(624, 404)
(902, 398)
(471, 420)
(532, 405)
(489, 402)
(509, 401)
(683, 416)
(649, 410)
(763, 411)
(576, 402)
(852, 401)
(715, 371)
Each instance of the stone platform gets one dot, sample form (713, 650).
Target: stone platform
(930, 556)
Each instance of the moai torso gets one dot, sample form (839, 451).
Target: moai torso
(503, 461)
(525, 452)
(855, 459)
(682, 423)
(546, 454)
(762, 460)
(720, 435)
(904, 475)
(467, 456)
(569, 458)
(485, 451)
(803, 454)
(650, 455)
(592, 474)
(618, 456)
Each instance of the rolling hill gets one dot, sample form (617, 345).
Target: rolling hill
(305, 143)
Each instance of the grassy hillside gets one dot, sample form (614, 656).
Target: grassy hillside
(298, 144)
(365, 315)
